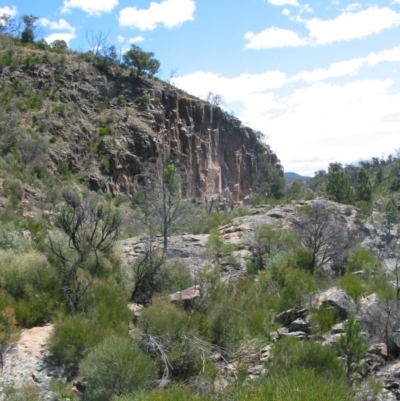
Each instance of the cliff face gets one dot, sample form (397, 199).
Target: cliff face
(214, 151)
(108, 126)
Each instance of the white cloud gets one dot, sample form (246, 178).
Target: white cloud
(272, 38)
(343, 123)
(12, 11)
(349, 26)
(169, 13)
(348, 67)
(60, 25)
(232, 89)
(92, 7)
(286, 11)
(284, 2)
(120, 39)
(339, 122)
(136, 39)
(59, 36)
(352, 7)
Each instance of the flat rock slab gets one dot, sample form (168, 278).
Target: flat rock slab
(25, 363)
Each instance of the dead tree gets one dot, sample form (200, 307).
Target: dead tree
(324, 236)
(163, 207)
(91, 229)
(145, 272)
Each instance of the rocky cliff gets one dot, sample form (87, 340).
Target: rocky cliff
(106, 125)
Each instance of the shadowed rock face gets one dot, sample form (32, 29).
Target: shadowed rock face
(213, 151)
(90, 116)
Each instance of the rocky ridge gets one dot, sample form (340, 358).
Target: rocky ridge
(106, 125)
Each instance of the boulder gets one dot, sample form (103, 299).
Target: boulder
(299, 325)
(186, 295)
(289, 315)
(379, 349)
(339, 300)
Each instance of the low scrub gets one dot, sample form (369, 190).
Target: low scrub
(115, 367)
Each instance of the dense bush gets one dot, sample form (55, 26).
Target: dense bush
(107, 314)
(115, 367)
(30, 280)
(290, 354)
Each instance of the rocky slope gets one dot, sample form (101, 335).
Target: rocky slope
(102, 123)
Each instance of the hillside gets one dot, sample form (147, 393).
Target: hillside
(149, 249)
(290, 176)
(70, 113)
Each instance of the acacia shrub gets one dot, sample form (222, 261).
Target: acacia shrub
(290, 354)
(115, 367)
(30, 281)
(106, 314)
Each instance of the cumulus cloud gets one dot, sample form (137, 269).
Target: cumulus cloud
(92, 7)
(308, 118)
(284, 2)
(317, 116)
(12, 11)
(120, 39)
(347, 26)
(60, 25)
(286, 11)
(272, 38)
(168, 13)
(348, 67)
(232, 89)
(136, 39)
(67, 37)
(352, 7)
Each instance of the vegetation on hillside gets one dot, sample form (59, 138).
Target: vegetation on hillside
(67, 268)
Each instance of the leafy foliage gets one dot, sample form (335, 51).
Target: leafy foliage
(268, 181)
(338, 186)
(352, 345)
(115, 367)
(140, 60)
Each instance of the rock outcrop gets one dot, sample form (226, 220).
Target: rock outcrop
(107, 125)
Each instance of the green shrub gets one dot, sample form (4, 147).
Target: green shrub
(107, 306)
(105, 163)
(10, 238)
(185, 359)
(115, 367)
(174, 393)
(352, 285)
(309, 194)
(290, 354)
(214, 244)
(164, 318)
(26, 393)
(30, 280)
(361, 259)
(173, 276)
(104, 130)
(13, 187)
(118, 201)
(63, 167)
(146, 99)
(74, 336)
(295, 286)
(322, 319)
(296, 385)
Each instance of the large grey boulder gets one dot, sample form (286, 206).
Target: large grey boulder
(339, 300)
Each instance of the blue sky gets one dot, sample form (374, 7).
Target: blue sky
(320, 79)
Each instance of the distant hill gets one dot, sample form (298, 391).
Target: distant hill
(295, 177)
